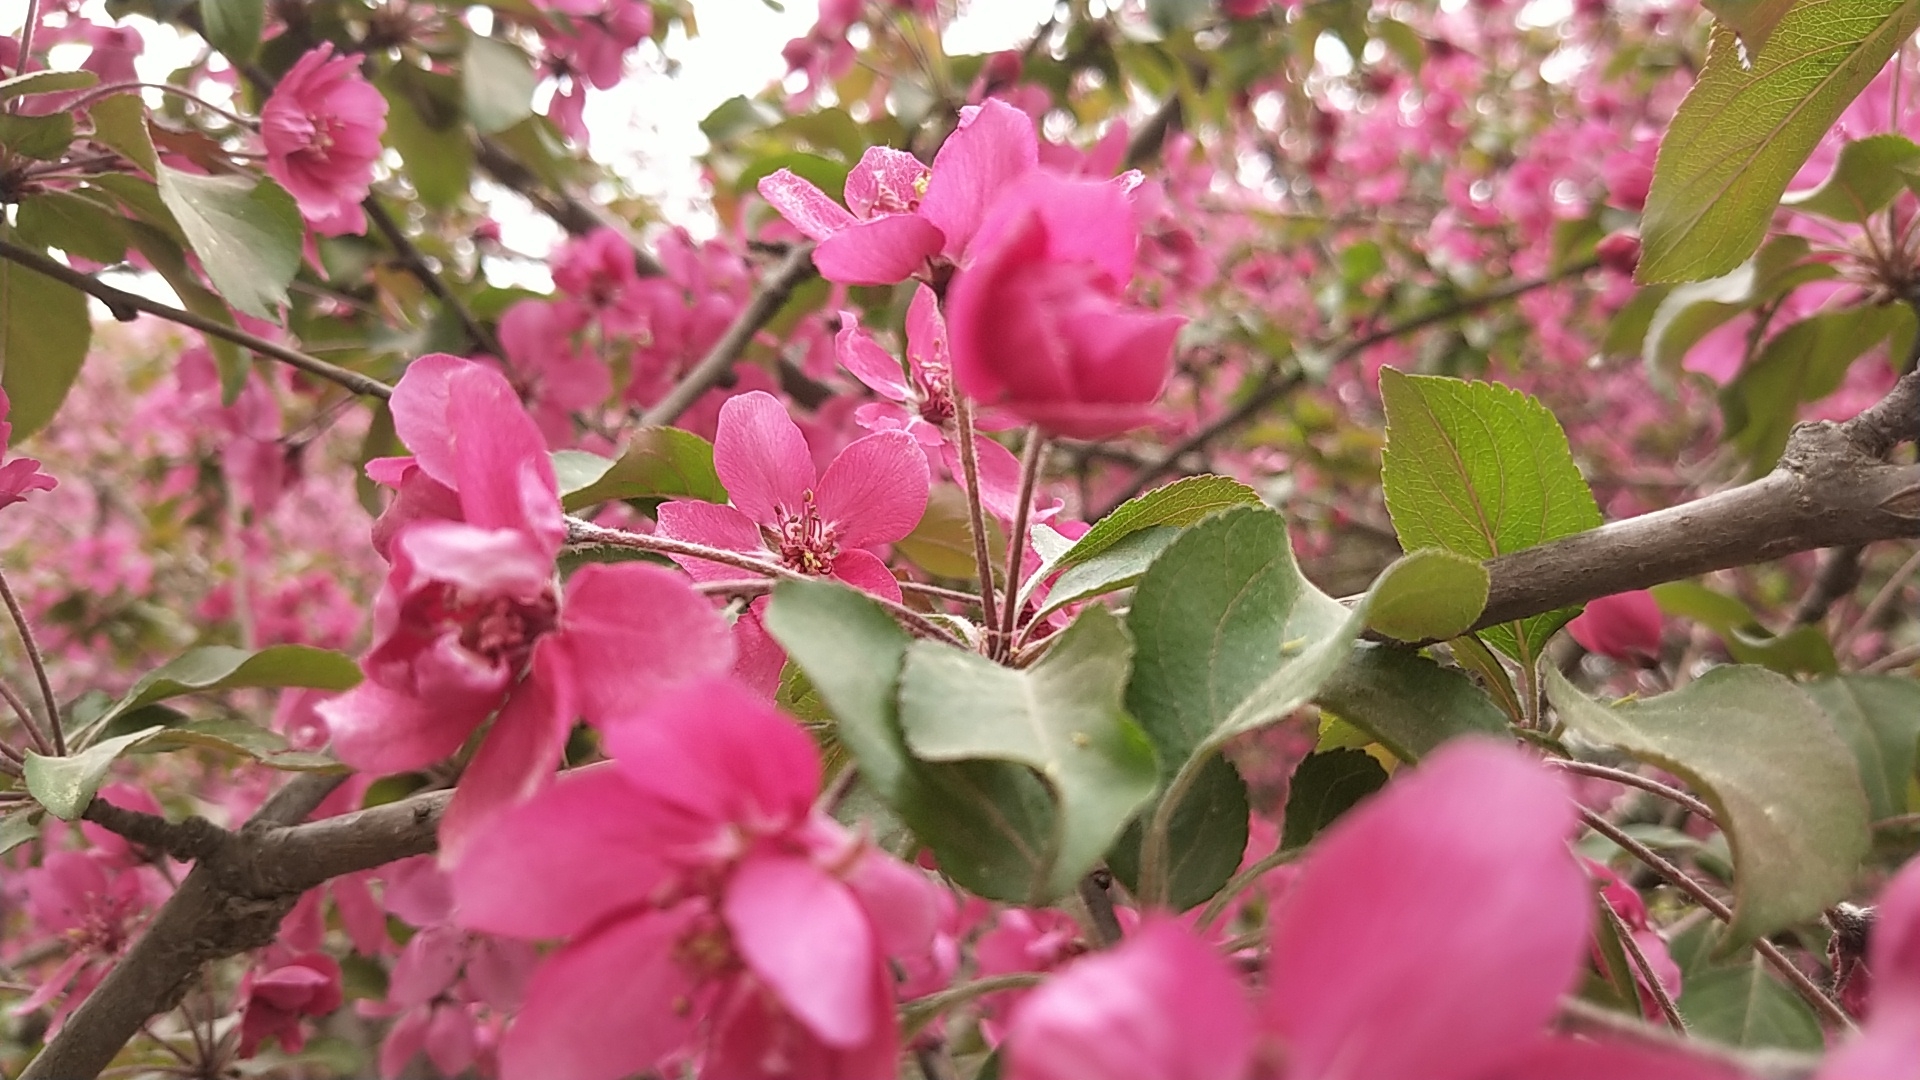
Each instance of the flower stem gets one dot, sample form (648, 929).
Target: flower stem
(976, 516)
(19, 705)
(1639, 957)
(39, 665)
(1030, 457)
(26, 41)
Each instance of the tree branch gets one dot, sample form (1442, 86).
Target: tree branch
(767, 301)
(416, 264)
(125, 307)
(233, 900)
(576, 217)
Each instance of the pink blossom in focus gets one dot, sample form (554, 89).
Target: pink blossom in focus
(1037, 319)
(708, 910)
(470, 623)
(821, 524)
(322, 129)
(277, 1000)
(1625, 626)
(21, 476)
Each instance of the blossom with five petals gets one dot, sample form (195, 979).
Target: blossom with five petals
(469, 622)
(709, 910)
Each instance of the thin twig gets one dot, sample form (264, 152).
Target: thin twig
(1838, 575)
(38, 663)
(1878, 604)
(1894, 661)
(1700, 894)
(976, 514)
(416, 264)
(124, 305)
(1030, 456)
(939, 592)
(766, 303)
(19, 705)
(1639, 957)
(26, 40)
(1094, 894)
(1632, 779)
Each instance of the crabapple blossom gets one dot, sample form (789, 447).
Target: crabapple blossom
(322, 128)
(20, 476)
(1625, 626)
(710, 912)
(278, 999)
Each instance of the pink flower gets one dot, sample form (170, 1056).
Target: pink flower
(903, 213)
(557, 376)
(322, 129)
(874, 493)
(95, 907)
(1038, 322)
(708, 909)
(922, 393)
(1632, 910)
(1888, 1046)
(1624, 626)
(1430, 934)
(20, 477)
(470, 623)
(276, 1001)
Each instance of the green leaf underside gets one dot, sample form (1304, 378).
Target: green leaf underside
(1481, 470)
(1867, 175)
(247, 234)
(497, 82)
(222, 667)
(1062, 718)
(658, 463)
(19, 826)
(44, 334)
(1879, 717)
(1406, 702)
(1692, 311)
(1326, 785)
(1436, 595)
(65, 785)
(1748, 125)
(1782, 782)
(1748, 1006)
(1118, 567)
(988, 822)
(45, 82)
(234, 26)
(1803, 363)
(1206, 840)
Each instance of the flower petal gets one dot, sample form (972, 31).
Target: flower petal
(801, 931)
(864, 571)
(1435, 927)
(875, 492)
(1560, 1058)
(883, 251)
(518, 755)
(761, 457)
(633, 630)
(868, 362)
(606, 1006)
(885, 181)
(805, 207)
(715, 526)
(379, 731)
(994, 145)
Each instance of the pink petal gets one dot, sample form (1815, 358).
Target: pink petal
(754, 1039)
(714, 526)
(883, 251)
(606, 1006)
(1160, 1006)
(994, 145)
(868, 362)
(505, 478)
(716, 752)
(1894, 950)
(404, 1040)
(1561, 1058)
(450, 1041)
(760, 658)
(379, 731)
(885, 181)
(803, 934)
(419, 407)
(573, 855)
(864, 571)
(1624, 626)
(926, 331)
(518, 755)
(999, 476)
(875, 492)
(633, 630)
(899, 899)
(481, 562)
(761, 457)
(427, 966)
(1435, 927)
(360, 914)
(1883, 1051)
(805, 207)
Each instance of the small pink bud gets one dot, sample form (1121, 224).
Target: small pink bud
(1619, 252)
(1625, 626)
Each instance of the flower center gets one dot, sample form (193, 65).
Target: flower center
(503, 629)
(936, 393)
(807, 543)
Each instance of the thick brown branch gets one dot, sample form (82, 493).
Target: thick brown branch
(125, 306)
(232, 901)
(767, 301)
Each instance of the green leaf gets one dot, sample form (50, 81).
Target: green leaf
(1748, 125)
(45, 330)
(1118, 567)
(45, 82)
(1753, 20)
(1801, 650)
(1692, 311)
(497, 82)
(1879, 717)
(988, 822)
(1406, 702)
(222, 667)
(1481, 470)
(1324, 786)
(1435, 596)
(1627, 330)
(1867, 175)
(233, 26)
(1803, 363)
(1750, 743)
(1747, 1006)
(1206, 838)
(423, 126)
(19, 826)
(233, 735)
(65, 785)
(1182, 502)
(73, 223)
(169, 261)
(1061, 717)
(247, 234)
(658, 463)
(44, 138)
(120, 122)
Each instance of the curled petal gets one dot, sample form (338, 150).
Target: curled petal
(805, 207)
(804, 935)
(994, 145)
(885, 181)
(870, 363)
(518, 755)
